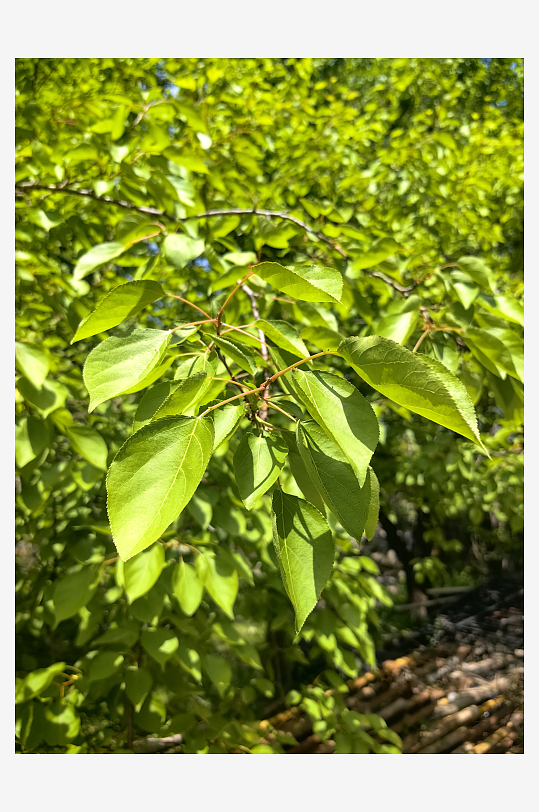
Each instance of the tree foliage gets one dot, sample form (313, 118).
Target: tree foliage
(257, 301)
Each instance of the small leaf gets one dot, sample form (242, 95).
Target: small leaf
(242, 355)
(310, 283)
(199, 363)
(97, 256)
(74, 591)
(226, 420)
(50, 397)
(142, 571)
(104, 665)
(284, 335)
(334, 478)
(180, 249)
(218, 671)
(153, 477)
(414, 381)
(32, 436)
(220, 580)
(187, 587)
(138, 683)
(343, 413)
(33, 362)
(322, 337)
(477, 271)
(305, 551)
(374, 505)
(186, 393)
(378, 252)
(89, 444)
(160, 644)
(120, 363)
(181, 334)
(36, 682)
(118, 305)
(258, 461)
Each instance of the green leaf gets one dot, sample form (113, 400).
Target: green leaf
(160, 644)
(300, 473)
(464, 287)
(343, 413)
(220, 580)
(509, 309)
(33, 362)
(491, 351)
(36, 682)
(125, 635)
(74, 591)
(180, 249)
(310, 283)
(118, 305)
(199, 363)
(153, 477)
(186, 393)
(374, 505)
(284, 335)
(104, 665)
(305, 551)
(250, 655)
(183, 333)
(399, 327)
(187, 587)
(477, 271)
(150, 402)
(50, 397)
(334, 478)
(226, 420)
(32, 436)
(414, 381)
(201, 508)
(242, 355)
(258, 461)
(377, 253)
(151, 377)
(179, 156)
(118, 364)
(322, 337)
(219, 671)
(89, 444)
(138, 683)
(97, 256)
(142, 571)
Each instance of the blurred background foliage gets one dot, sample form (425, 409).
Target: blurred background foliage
(407, 176)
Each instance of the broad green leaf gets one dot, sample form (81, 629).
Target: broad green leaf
(138, 683)
(322, 337)
(118, 364)
(509, 309)
(343, 413)
(179, 156)
(126, 634)
(219, 671)
(74, 591)
(300, 473)
(32, 436)
(378, 252)
(184, 394)
(374, 505)
(36, 682)
(201, 508)
(152, 377)
(465, 288)
(151, 400)
(492, 351)
(160, 644)
(515, 346)
(50, 397)
(104, 665)
(187, 587)
(250, 655)
(220, 580)
(142, 571)
(198, 363)
(89, 444)
(414, 381)
(242, 355)
(258, 461)
(97, 256)
(153, 477)
(183, 333)
(226, 420)
(399, 327)
(118, 305)
(334, 478)
(180, 249)
(310, 283)
(477, 271)
(305, 551)
(33, 362)
(284, 335)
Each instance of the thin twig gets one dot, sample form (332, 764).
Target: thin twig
(187, 302)
(264, 348)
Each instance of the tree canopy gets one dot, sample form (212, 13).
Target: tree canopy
(333, 249)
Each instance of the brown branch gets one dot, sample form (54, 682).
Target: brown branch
(264, 346)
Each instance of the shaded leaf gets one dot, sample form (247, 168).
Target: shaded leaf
(258, 461)
(33, 362)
